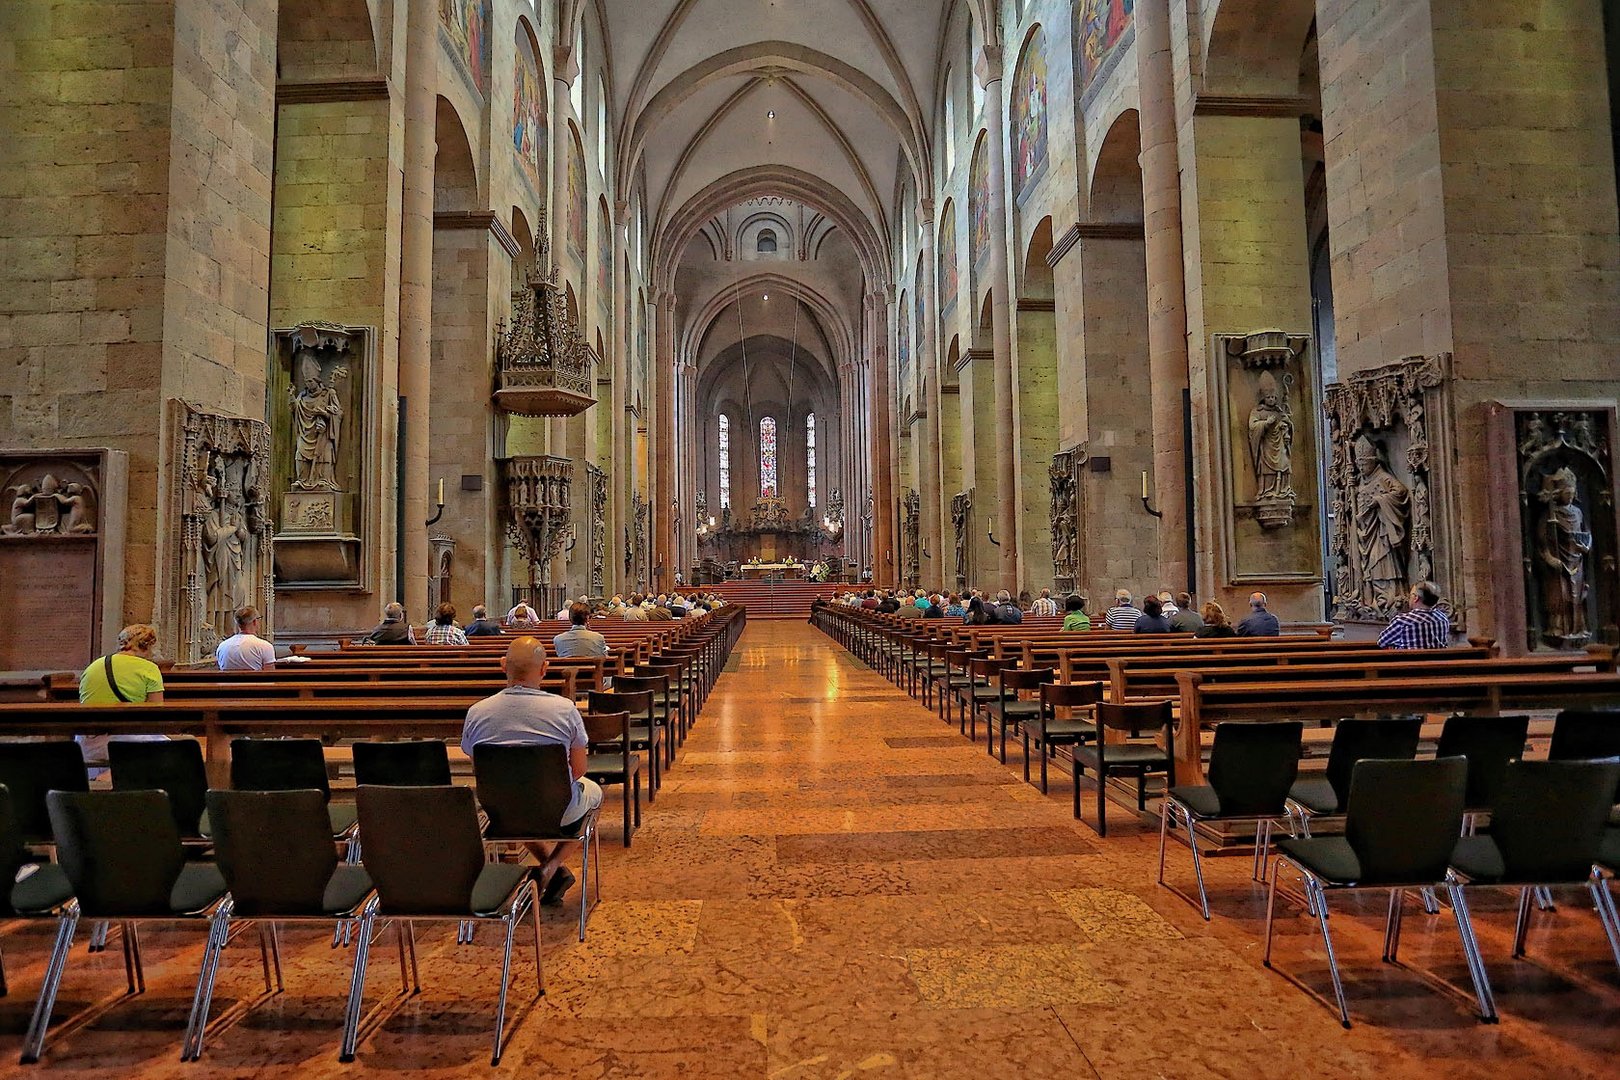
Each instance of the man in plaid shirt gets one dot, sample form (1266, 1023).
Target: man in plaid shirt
(1421, 627)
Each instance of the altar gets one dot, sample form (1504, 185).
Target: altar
(756, 571)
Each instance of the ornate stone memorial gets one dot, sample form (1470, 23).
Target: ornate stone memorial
(537, 496)
(1267, 445)
(1559, 524)
(911, 536)
(598, 480)
(221, 548)
(325, 465)
(961, 512)
(1066, 516)
(1389, 433)
(61, 556)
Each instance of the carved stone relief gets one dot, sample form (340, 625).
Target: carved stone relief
(1567, 530)
(598, 480)
(961, 512)
(537, 493)
(61, 555)
(911, 536)
(1387, 428)
(642, 517)
(325, 461)
(222, 553)
(1066, 515)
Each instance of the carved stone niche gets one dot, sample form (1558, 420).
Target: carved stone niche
(598, 479)
(1067, 513)
(911, 536)
(326, 466)
(1389, 432)
(1555, 539)
(961, 520)
(1266, 442)
(441, 570)
(61, 556)
(221, 548)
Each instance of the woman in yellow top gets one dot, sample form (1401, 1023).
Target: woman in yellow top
(135, 678)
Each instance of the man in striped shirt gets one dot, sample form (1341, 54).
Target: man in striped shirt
(1423, 626)
(1123, 615)
(1045, 607)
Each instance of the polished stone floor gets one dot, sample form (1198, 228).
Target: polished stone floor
(834, 884)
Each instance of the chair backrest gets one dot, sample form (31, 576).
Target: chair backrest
(29, 770)
(524, 788)
(422, 848)
(1549, 818)
(1136, 717)
(120, 849)
(1584, 734)
(636, 684)
(1252, 766)
(274, 849)
(1356, 739)
(174, 766)
(1016, 679)
(1403, 817)
(986, 668)
(279, 765)
(1071, 695)
(1489, 743)
(406, 763)
(607, 729)
(638, 705)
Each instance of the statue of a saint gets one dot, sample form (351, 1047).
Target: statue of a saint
(1271, 442)
(224, 550)
(1063, 524)
(1383, 515)
(317, 426)
(1562, 545)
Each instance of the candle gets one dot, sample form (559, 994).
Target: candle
(441, 488)
(1144, 485)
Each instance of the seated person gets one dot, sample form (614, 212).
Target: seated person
(1185, 620)
(576, 640)
(935, 608)
(524, 713)
(1423, 626)
(659, 613)
(1074, 613)
(1152, 620)
(523, 617)
(1007, 612)
(245, 650)
(1216, 623)
(393, 630)
(443, 629)
(125, 677)
(482, 625)
(1123, 615)
(954, 608)
(1259, 622)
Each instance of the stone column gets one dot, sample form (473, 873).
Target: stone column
(1167, 292)
(564, 70)
(664, 491)
(416, 296)
(884, 556)
(926, 344)
(1005, 497)
(620, 468)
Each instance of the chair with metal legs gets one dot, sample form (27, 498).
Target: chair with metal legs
(1402, 820)
(290, 765)
(174, 766)
(276, 854)
(1251, 768)
(426, 859)
(42, 894)
(121, 851)
(401, 763)
(1354, 739)
(1547, 831)
(524, 790)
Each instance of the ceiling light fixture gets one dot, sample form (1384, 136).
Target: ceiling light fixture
(770, 114)
(767, 296)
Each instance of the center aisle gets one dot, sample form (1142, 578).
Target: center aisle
(833, 883)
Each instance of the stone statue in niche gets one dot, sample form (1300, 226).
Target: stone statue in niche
(961, 506)
(1271, 447)
(232, 519)
(1383, 518)
(1065, 487)
(47, 507)
(317, 426)
(1562, 546)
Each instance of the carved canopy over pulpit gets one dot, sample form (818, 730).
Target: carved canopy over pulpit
(542, 361)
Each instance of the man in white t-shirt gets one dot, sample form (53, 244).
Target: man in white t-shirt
(245, 650)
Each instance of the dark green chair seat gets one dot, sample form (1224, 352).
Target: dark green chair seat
(1122, 755)
(1315, 794)
(1200, 799)
(610, 766)
(42, 891)
(495, 885)
(1609, 848)
(196, 889)
(1330, 858)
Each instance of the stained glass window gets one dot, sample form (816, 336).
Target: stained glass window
(810, 459)
(767, 458)
(725, 462)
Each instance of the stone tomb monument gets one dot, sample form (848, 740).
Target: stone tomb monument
(61, 556)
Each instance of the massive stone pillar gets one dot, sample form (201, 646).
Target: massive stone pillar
(665, 495)
(1480, 224)
(881, 439)
(1167, 295)
(416, 297)
(1005, 498)
(619, 466)
(926, 345)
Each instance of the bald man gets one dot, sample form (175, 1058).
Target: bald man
(524, 713)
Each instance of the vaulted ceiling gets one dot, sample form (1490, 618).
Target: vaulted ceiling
(850, 83)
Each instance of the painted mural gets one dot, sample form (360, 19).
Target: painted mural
(528, 113)
(577, 209)
(604, 267)
(979, 207)
(464, 31)
(902, 348)
(947, 259)
(1104, 27)
(1029, 111)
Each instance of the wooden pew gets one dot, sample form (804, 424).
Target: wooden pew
(1155, 676)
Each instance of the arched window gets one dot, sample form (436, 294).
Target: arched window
(767, 458)
(810, 459)
(765, 243)
(725, 462)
